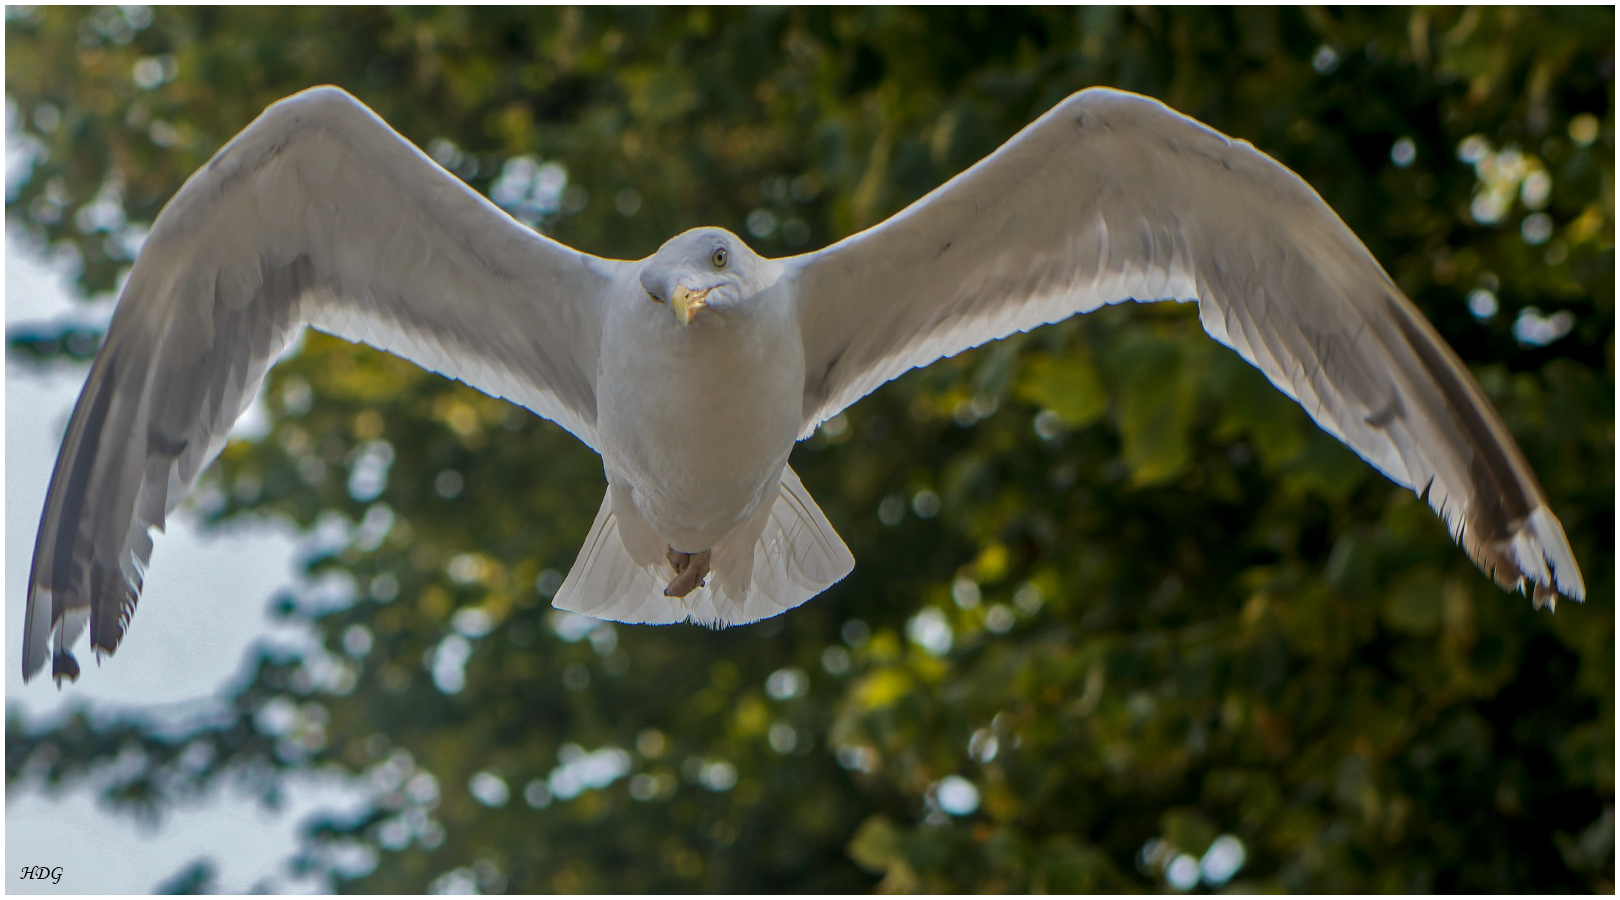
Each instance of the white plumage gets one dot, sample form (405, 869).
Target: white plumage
(320, 213)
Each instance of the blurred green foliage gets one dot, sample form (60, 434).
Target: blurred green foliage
(1106, 574)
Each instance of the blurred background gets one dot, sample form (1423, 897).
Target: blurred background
(1122, 617)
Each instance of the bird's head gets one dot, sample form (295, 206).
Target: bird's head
(705, 271)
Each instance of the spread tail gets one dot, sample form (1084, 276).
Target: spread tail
(782, 556)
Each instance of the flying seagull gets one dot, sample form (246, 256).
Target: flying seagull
(693, 371)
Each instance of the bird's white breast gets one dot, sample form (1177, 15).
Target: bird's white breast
(698, 420)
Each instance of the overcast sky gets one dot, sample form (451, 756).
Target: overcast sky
(203, 605)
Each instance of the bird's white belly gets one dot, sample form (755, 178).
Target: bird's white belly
(700, 434)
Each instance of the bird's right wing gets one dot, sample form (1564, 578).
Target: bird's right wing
(1112, 196)
(317, 213)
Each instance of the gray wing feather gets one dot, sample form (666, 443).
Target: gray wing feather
(1111, 197)
(317, 213)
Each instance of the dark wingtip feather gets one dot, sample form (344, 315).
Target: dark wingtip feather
(1545, 597)
(63, 665)
(112, 603)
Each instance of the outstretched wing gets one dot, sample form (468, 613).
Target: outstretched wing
(1110, 197)
(317, 213)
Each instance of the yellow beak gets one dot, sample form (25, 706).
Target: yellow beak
(686, 303)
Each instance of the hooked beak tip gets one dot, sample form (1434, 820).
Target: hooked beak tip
(686, 303)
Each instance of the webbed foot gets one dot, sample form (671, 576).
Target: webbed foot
(690, 571)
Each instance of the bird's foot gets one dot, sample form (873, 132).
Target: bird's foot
(690, 571)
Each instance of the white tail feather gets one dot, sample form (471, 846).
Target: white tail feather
(783, 555)
(607, 584)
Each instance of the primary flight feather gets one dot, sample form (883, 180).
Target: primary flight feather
(692, 372)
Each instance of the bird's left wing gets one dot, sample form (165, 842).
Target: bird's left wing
(317, 213)
(1110, 197)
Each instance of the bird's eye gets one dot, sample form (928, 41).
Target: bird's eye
(719, 258)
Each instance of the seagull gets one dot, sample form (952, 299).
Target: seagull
(693, 372)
